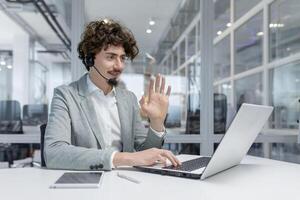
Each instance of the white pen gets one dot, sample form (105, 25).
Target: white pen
(128, 178)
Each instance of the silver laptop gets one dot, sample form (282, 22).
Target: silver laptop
(235, 144)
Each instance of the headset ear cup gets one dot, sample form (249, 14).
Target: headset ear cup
(89, 61)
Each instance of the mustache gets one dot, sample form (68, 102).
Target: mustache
(116, 71)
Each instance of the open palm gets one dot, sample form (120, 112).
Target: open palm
(155, 106)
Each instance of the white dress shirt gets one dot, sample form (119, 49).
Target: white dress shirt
(108, 117)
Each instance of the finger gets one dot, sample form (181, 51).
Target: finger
(162, 160)
(151, 88)
(175, 158)
(157, 83)
(142, 101)
(170, 157)
(168, 91)
(162, 87)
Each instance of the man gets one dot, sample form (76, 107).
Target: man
(94, 125)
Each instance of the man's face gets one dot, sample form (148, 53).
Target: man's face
(110, 61)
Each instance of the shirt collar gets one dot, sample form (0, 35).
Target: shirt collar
(92, 87)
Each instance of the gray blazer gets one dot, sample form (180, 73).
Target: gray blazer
(73, 138)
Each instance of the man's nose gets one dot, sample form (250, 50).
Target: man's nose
(119, 64)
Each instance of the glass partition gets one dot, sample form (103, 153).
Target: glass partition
(222, 16)
(284, 28)
(285, 95)
(241, 7)
(222, 59)
(248, 90)
(248, 44)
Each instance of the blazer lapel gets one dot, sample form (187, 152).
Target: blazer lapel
(89, 111)
(125, 121)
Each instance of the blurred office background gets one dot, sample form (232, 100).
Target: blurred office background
(216, 55)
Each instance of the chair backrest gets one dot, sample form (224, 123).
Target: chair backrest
(10, 117)
(220, 113)
(43, 129)
(35, 114)
(10, 110)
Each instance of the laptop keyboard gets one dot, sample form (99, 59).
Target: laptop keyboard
(191, 165)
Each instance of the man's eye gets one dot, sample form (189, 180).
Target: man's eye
(124, 58)
(110, 57)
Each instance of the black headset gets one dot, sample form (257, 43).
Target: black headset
(88, 61)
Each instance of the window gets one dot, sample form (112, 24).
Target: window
(222, 59)
(191, 43)
(248, 44)
(285, 95)
(170, 64)
(6, 64)
(38, 83)
(248, 90)
(222, 16)
(241, 7)
(175, 59)
(182, 52)
(198, 42)
(284, 28)
(223, 109)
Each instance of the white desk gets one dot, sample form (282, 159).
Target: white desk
(31, 135)
(256, 178)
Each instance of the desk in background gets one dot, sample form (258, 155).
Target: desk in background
(266, 137)
(31, 135)
(255, 178)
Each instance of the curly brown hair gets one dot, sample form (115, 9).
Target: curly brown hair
(100, 34)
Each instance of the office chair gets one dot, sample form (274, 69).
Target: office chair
(10, 117)
(35, 114)
(193, 122)
(11, 123)
(220, 113)
(43, 129)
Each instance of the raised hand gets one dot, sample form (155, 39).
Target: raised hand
(155, 105)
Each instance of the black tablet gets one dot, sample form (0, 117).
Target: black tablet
(78, 180)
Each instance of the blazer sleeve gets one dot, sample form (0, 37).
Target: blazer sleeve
(58, 149)
(143, 138)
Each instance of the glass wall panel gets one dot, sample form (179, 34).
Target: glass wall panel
(241, 7)
(223, 108)
(198, 36)
(38, 80)
(222, 16)
(222, 59)
(284, 28)
(175, 59)
(170, 63)
(248, 90)
(191, 50)
(285, 95)
(182, 52)
(248, 44)
(6, 65)
(177, 103)
(187, 148)
(193, 101)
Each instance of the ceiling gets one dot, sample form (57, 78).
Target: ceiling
(135, 14)
(6, 36)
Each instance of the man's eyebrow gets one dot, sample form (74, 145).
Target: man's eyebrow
(112, 53)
